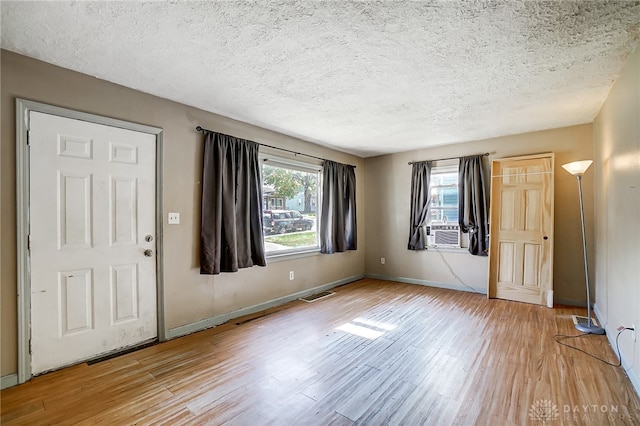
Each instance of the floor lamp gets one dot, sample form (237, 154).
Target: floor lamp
(577, 168)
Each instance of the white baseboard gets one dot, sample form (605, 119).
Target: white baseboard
(458, 287)
(8, 381)
(221, 319)
(598, 315)
(611, 336)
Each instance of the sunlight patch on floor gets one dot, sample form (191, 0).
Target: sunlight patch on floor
(368, 329)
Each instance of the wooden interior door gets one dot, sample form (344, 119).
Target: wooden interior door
(92, 219)
(521, 229)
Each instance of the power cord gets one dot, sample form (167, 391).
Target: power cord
(560, 337)
(453, 273)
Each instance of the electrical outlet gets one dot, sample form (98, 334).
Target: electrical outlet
(291, 275)
(382, 260)
(632, 328)
(174, 218)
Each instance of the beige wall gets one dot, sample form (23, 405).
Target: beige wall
(189, 296)
(617, 166)
(388, 181)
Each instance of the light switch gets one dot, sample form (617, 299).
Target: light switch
(174, 218)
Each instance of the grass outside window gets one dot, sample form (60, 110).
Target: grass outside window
(298, 239)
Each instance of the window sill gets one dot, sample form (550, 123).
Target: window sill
(448, 249)
(278, 257)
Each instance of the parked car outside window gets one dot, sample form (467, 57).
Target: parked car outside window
(281, 221)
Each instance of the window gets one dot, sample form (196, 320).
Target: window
(289, 205)
(444, 195)
(443, 229)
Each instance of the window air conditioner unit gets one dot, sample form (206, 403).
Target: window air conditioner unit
(443, 235)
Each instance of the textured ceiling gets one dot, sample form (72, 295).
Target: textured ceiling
(362, 77)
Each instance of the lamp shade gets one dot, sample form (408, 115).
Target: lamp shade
(577, 167)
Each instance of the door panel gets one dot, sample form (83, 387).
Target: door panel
(531, 275)
(124, 218)
(92, 202)
(76, 301)
(507, 262)
(532, 210)
(509, 210)
(521, 235)
(124, 293)
(74, 201)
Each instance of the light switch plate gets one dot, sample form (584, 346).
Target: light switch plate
(174, 218)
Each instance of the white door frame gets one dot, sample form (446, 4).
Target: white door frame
(23, 108)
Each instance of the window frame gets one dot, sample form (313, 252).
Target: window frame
(301, 166)
(442, 170)
(446, 167)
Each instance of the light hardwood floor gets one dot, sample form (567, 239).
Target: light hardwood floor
(439, 357)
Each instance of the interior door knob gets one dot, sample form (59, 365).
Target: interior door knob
(148, 252)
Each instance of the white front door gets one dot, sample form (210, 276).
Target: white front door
(92, 217)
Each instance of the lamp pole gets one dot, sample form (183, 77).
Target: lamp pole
(589, 327)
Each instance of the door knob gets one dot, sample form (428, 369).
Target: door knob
(545, 238)
(148, 252)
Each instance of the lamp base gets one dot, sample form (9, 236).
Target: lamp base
(589, 328)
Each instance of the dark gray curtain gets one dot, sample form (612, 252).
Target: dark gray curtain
(420, 200)
(472, 203)
(338, 230)
(231, 232)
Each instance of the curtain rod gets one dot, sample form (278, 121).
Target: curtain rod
(203, 130)
(486, 154)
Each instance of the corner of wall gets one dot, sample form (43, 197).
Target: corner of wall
(612, 334)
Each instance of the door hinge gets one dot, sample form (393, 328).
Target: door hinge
(30, 349)
(28, 137)
(29, 242)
